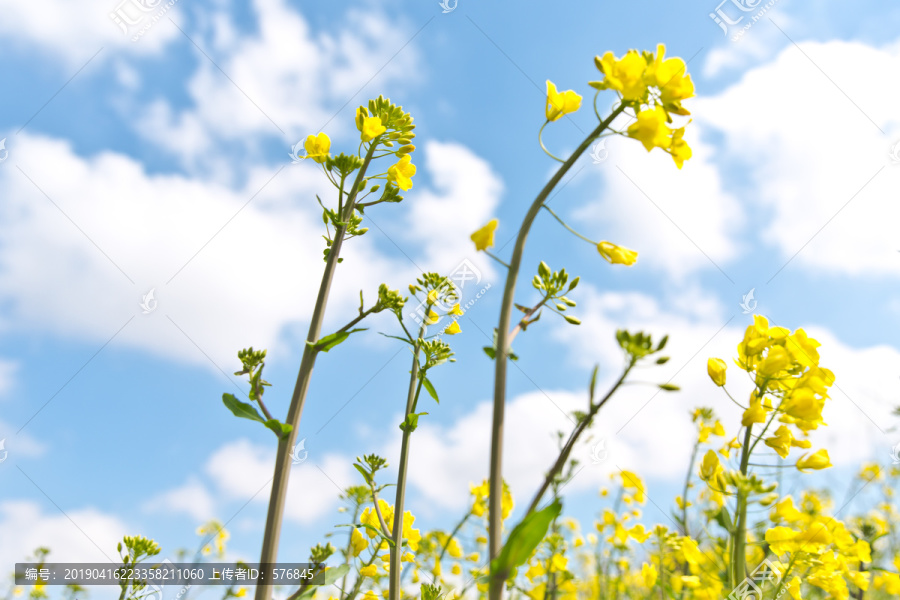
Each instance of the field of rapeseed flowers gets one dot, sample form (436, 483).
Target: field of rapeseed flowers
(733, 532)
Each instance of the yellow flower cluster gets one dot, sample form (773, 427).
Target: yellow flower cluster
(219, 536)
(481, 493)
(655, 86)
(370, 519)
(821, 546)
(790, 384)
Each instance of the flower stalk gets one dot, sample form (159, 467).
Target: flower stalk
(272, 531)
(502, 352)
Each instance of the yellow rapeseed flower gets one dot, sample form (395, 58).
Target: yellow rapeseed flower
(484, 237)
(317, 147)
(817, 461)
(358, 542)
(402, 172)
(371, 128)
(560, 103)
(617, 255)
(755, 414)
(625, 75)
(669, 75)
(715, 367)
(651, 129)
(368, 571)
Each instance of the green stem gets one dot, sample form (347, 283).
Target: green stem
(518, 328)
(452, 535)
(570, 443)
(282, 473)
(359, 579)
(412, 396)
(564, 224)
(739, 553)
(541, 141)
(496, 471)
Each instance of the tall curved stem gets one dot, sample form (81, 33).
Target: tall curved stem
(272, 532)
(496, 482)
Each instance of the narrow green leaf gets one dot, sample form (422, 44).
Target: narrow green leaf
(241, 409)
(669, 387)
(522, 541)
(396, 337)
(364, 473)
(330, 341)
(662, 343)
(430, 389)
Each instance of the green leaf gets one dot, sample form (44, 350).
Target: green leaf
(364, 473)
(397, 337)
(282, 430)
(492, 352)
(330, 341)
(669, 387)
(524, 538)
(662, 360)
(324, 578)
(411, 422)
(662, 343)
(430, 389)
(330, 576)
(241, 409)
(378, 531)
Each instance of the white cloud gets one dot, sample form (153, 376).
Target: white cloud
(286, 80)
(757, 44)
(246, 253)
(192, 499)
(72, 33)
(680, 221)
(8, 371)
(466, 194)
(858, 412)
(80, 536)
(57, 277)
(805, 128)
(645, 430)
(19, 445)
(243, 471)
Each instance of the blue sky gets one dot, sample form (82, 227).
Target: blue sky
(162, 164)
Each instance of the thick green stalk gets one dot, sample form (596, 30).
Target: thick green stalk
(739, 553)
(415, 386)
(501, 355)
(278, 496)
